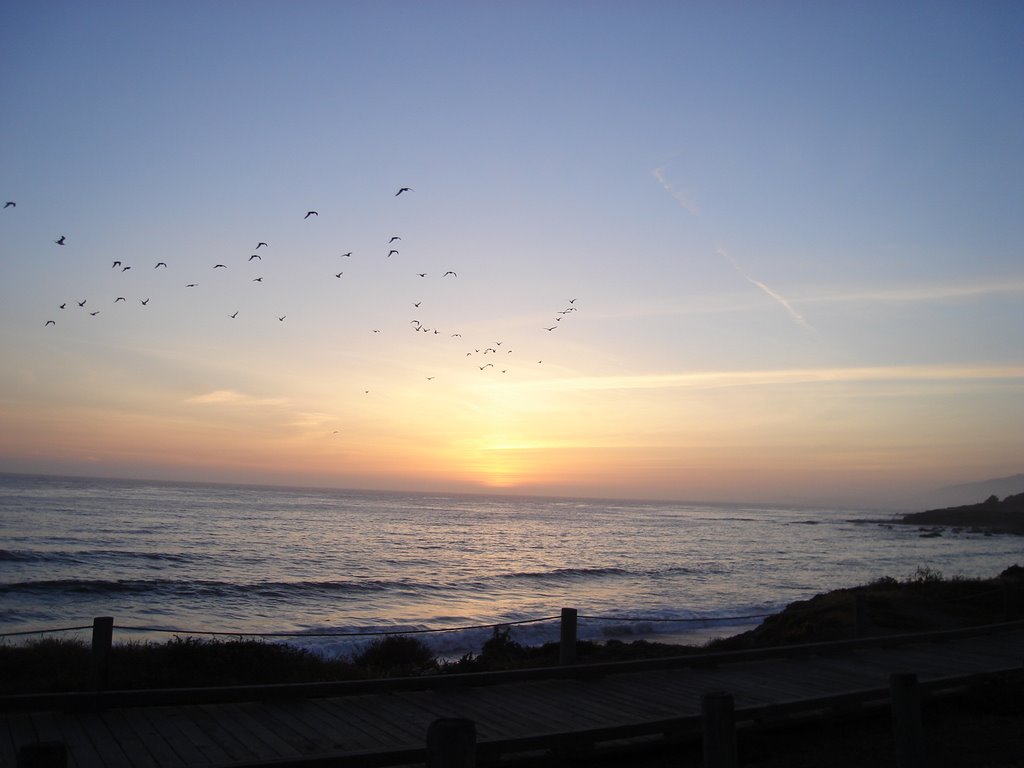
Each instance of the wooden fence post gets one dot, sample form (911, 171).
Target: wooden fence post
(102, 638)
(906, 720)
(718, 730)
(451, 743)
(567, 638)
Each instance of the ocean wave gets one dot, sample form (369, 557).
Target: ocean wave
(85, 556)
(567, 573)
(283, 590)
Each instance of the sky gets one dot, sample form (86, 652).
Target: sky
(727, 251)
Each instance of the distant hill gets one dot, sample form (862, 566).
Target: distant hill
(1006, 516)
(972, 493)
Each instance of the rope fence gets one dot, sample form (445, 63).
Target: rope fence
(386, 632)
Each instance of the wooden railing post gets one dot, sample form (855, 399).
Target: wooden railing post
(718, 730)
(567, 638)
(451, 743)
(102, 639)
(906, 720)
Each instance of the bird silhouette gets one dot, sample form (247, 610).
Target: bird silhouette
(48, 322)
(255, 256)
(488, 365)
(125, 269)
(282, 317)
(393, 238)
(62, 306)
(160, 264)
(392, 251)
(60, 241)
(449, 272)
(310, 213)
(258, 245)
(338, 274)
(347, 255)
(119, 298)
(115, 264)
(93, 314)
(403, 189)
(551, 328)
(257, 279)
(82, 302)
(234, 315)
(144, 301)
(422, 274)
(192, 285)
(12, 204)
(223, 266)
(416, 303)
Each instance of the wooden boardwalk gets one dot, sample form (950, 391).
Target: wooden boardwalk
(385, 723)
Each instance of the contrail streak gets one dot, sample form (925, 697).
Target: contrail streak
(680, 197)
(780, 299)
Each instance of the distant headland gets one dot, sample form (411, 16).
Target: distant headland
(1006, 516)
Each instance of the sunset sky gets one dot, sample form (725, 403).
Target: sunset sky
(722, 251)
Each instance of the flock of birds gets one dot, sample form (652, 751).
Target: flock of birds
(485, 356)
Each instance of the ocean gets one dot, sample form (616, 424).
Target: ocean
(329, 568)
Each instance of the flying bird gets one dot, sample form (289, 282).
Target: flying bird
(260, 244)
(422, 274)
(119, 298)
(338, 274)
(257, 279)
(393, 238)
(347, 255)
(310, 213)
(125, 269)
(282, 317)
(48, 322)
(234, 315)
(551, 328)
(192, 285)
(488, 365)
(93, 314)
(429, 378)
(61, 240)
(255, 256)
(449, 272)
(416, 303)
(115, 264)
(403, 189)
(63, 305)
(144, 301)
(392, 251)
(12, 204)
(82, 302)
(160, 264)
(223, 266)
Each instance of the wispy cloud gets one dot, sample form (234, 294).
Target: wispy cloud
(775, 295)
(910, 294)
(233, 397)
(684, 200)
(720, 379)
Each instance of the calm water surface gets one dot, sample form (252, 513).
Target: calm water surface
(201, 558)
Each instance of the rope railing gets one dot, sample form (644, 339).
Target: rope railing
(386, 632)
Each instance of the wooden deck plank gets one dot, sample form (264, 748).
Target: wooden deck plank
(387, 722)
(167, 722)
(180, 720)
(106, 745)
(287, 729)
(133, 747)
(345, 728)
